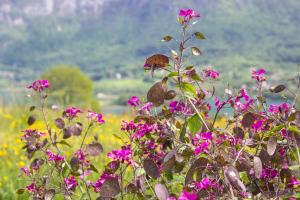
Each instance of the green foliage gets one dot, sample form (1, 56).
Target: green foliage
(70, 86)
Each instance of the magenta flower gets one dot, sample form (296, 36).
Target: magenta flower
(269, 173)
(185, 195)
(242, 102)
(32, 188)
(180, 107)
(145, 108)
(281, 108)
(81, 156)
(123, 155)
(70, 183)
(203, 136)
(134, 101)
(32, 133)
(95, 117)
(188, 14)
(209, 73)
(219, 104)
(203, 184)
(129, 127)
(39, 85)
(25, 171)
(258, 75)
(142, 130)
(202, 148)
(54, 157)
(71, 113)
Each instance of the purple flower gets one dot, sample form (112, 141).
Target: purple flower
(281, 108)
(142, 130)
(122, 155)
(25, 171)
(81, 156)
(145, 108)
(201, 148)
(242, 102)
(219, 104)
(188, 14)
(209, 73)
(95, 117)
(129, 127)
(187, 196)
(32, 188)
(71, 113)
(70, 183)
(32, 133)
(294, 182)
(180, 107)
(258, 75)
(203, 184)
(39, 85)
(134, 101)
(269, 173)
(54, 157)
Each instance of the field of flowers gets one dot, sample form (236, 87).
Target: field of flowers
(12, 157)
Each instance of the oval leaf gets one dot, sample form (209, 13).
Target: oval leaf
(271, 145)
(199, 36)
(49, 194)
(171, 94)
(94, 149)
(277, 89)
(233, 178)
(59, 123)
(110, 188)
(161, 192)
(167, 38)
(151, 168)
(156, 61)
(31, 120)
(156, 94)
(257, 164)
(248, 120)
(196, 51)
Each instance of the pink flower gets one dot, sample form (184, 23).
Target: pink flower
(32, 133)
(81, 156)
(54, 157)
(180, 107)
(25, 171)
(219, 104)
(258, 75)
(145, 108)
(203, 184)
(188, 14)
(70, 183)
(294, 182)
(142, 130)
(281, 108)
(95, 117)
(209, 73)
(187, 196)
(32, 188)
(129, 127)
(242, 102)
(134, 101)
(39, 85)
(201, 148)
(71, 113)
(122, 155)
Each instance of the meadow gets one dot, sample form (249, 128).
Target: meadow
(12, 156)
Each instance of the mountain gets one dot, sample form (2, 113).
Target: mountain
(109, 38)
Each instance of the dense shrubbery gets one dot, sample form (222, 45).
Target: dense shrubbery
(173, 148)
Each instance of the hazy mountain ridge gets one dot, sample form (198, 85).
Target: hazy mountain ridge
(114, 36)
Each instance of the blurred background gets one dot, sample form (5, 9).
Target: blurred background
(108, 40)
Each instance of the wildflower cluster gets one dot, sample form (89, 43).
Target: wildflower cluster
(173, 148)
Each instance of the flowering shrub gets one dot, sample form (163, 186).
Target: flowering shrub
(173, 148)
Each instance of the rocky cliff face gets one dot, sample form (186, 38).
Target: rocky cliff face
(14, 12)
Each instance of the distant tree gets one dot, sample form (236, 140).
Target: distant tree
(70, 87)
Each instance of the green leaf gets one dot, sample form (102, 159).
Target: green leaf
(63, 142)
(194, 124)
(189, 88)
(294, 129)
(199, 36)
(20, 191)
(167, 38)
(172, 74)
(93, 168)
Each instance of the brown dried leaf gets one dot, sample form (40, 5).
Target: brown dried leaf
(94, 149)
(156, 61)
(156, 93)
(248, 120)
(161, 192)
(59, 123)
(110, 188)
